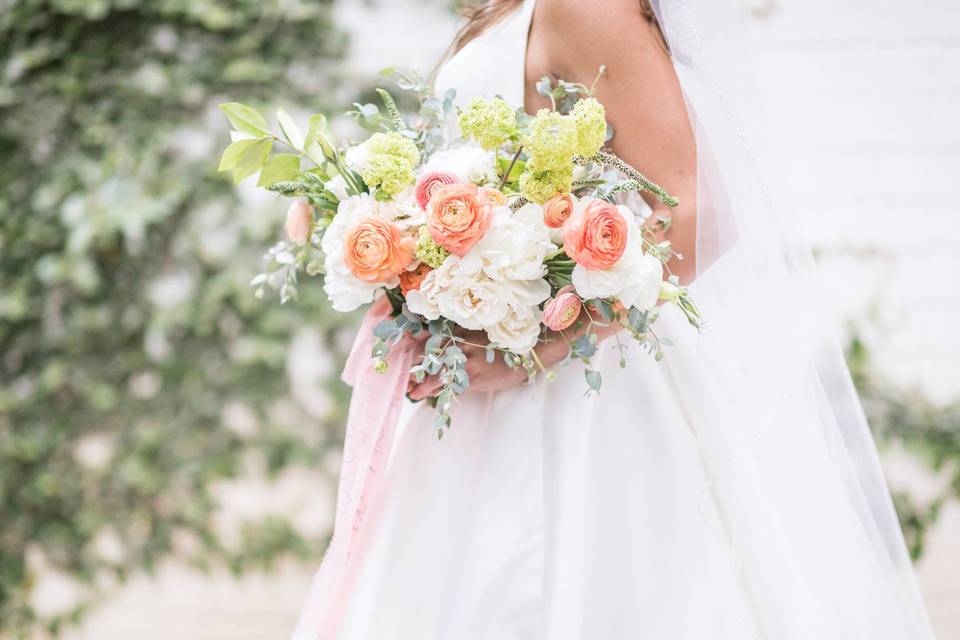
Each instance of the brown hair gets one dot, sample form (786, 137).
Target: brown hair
(481, 17)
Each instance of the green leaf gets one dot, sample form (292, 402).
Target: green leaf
(232, 154)
(281, 167)
(290, 129)
(252, 159)
(593, 379)
(245, 119)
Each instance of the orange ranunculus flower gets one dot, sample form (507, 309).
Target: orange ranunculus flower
(595, 235)
(410, 280)
(557, 210)
(376, 250)
(458, 216)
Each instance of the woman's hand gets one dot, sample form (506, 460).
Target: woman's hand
(497, 375)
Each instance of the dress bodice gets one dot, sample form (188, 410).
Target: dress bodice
(492, 63)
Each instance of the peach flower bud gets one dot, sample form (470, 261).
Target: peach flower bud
(595, 236)
(556, 210)
(429, 183)
(410, 280)
(299, 222)
(376, 250)
(562, 310)
(458, 216)
(496, 196)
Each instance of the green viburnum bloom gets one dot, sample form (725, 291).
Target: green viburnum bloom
(552, 139)
(392, 161)
(428, 251)
(492, 122)
(591, 122)
(539, 185)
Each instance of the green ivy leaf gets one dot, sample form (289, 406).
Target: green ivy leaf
(245, 119)
(281, 167)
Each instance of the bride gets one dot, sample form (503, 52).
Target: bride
(731, 491)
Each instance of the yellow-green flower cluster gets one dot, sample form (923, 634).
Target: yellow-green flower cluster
(492, 122)
(591, 122)
(428, 251)
(550, 142)
(552, 139)
(541, 185)
(392, 161)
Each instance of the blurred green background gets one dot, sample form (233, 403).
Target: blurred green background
(138, 374)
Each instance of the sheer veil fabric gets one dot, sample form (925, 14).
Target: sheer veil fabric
(731, 491)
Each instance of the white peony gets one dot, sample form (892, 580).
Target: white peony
(634, 280)
(518, 331)
(463, 292)
(469, 297)
(515, 246)
(406, 212)
(470, 163)
(358, 157)
(345, 290)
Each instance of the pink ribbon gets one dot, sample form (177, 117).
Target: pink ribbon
(371, 425)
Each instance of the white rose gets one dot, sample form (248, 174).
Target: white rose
(470, 163)
(515, 246)
(518, 331)
(345, 290)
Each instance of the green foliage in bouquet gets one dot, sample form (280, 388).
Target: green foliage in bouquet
(127, 327)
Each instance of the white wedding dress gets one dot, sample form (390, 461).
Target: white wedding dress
(547, 515)
(485, 534)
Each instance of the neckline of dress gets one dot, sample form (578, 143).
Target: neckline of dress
(509, 28)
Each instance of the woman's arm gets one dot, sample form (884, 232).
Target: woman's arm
(571, 40)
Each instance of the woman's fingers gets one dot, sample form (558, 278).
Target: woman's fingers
(429, 387)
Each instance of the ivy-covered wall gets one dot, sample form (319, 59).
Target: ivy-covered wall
(127, 325)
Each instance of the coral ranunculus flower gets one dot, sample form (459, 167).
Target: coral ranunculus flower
(376, 250)
(556, 210)
(595, 235)
(429, 182)
(458, 216)
(410, 280)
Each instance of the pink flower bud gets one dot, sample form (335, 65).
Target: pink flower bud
(299, 222)
(562, 310)
(429, 183)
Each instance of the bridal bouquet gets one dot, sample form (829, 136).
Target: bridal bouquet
(483, 221)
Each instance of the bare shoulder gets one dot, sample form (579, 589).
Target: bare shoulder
(597, 28)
